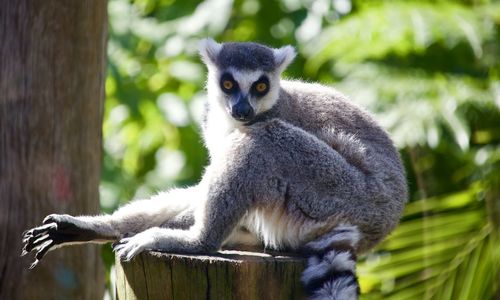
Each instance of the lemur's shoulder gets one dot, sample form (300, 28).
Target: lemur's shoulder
(296, 86)
(319, 106)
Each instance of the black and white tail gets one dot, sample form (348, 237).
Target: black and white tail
(331, 269)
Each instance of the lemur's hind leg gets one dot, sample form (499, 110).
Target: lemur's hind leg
(170, 209)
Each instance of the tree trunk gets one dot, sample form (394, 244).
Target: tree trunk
(52, 67)
(225, 275)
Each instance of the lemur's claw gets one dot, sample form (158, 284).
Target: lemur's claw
(117, 245)
(128, 248)
(42, 238)
(120, 247)
(33, 265)
(43, 249)
(53, 218)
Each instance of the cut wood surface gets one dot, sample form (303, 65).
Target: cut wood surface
(223, 275)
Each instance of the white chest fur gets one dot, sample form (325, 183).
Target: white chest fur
(273, 227)
(219, 126)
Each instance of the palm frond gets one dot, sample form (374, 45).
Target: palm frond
(441, 250)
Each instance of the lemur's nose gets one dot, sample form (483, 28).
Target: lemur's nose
(242, 111)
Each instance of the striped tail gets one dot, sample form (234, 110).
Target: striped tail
(331, 269)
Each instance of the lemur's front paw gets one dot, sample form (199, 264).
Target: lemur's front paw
(56, 229)
(129, 247)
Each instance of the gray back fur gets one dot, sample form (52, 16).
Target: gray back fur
(348, 129)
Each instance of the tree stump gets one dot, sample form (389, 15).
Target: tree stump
(223, 275)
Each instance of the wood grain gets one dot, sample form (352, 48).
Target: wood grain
(224, 275)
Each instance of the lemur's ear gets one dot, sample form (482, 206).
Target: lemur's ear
(209, 50)
(283, 57)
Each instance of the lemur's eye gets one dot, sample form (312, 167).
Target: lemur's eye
(261, 87)
(227, 84)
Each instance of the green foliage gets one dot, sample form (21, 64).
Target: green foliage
(441, 250)
(428, 70)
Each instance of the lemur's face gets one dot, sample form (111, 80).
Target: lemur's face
(246, 93)
(244, 77)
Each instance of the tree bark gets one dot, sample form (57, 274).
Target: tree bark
(52, 68)
(225, 275)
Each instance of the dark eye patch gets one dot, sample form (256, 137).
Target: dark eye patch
(261, 86)
(227, 84)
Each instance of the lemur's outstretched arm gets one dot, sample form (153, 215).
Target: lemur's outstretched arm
(173, 209)
(226, 190)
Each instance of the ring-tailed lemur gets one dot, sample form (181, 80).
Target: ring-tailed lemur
(293, 166)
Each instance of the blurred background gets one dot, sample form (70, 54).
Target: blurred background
(428, 70)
